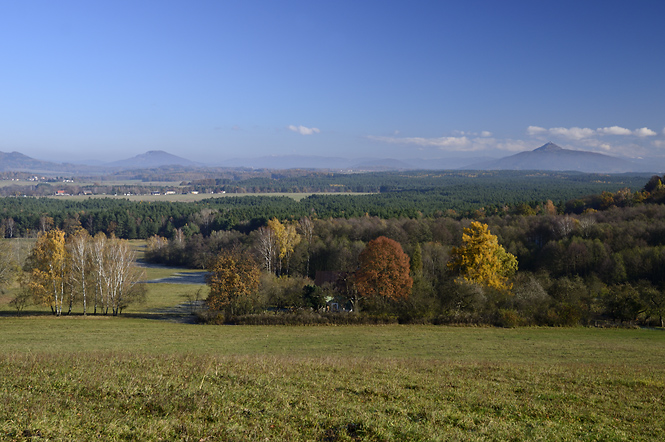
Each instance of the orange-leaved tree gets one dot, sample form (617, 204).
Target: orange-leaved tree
(482, 260)
(232, 280)
(384, 270)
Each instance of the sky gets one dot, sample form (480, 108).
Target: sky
(215, 80)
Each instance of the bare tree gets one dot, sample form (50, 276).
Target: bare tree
(45, 223)
(9, 227)
(116, 275)
(99, 266)
(79, 247)
(563, 226)
(122, 274)
(267, 247)
(204, 219)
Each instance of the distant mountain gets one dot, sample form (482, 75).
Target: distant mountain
(152, 159)
(547, 157)
(552, 157)
(17, 162)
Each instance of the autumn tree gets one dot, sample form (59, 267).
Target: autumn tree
(384, 271)
(286, 238)
(48, 263)
(481, 259)
(232, 281)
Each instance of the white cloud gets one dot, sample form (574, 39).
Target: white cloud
(644, 132)
(535, 130)
(615, 140)
(585, 133)
(514, 145)
(465, 143)
(456, 143)
(574, 133)
(614, 130)
(302, 130)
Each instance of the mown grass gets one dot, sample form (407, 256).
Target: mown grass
(132, 379)
(162, 295)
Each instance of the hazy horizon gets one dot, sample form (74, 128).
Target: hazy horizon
(213, 81)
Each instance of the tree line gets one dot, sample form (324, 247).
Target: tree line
(97, 274)
(596, 258)
(605, 265)
(409, 195)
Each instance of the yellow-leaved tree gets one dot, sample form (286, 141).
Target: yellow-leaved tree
(48, 262)
(286, 239)
(232, 280)
(482, 260)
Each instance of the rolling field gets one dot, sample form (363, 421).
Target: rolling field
(140, 379)
(143, 376)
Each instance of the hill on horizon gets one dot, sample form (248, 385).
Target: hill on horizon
(555, 158)
(548, 157)
(152, 159)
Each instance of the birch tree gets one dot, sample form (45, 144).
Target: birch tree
(48, 261)
(266, 246)
(122, 276)
(80, 256)
(116, 275)
(286, 238)
(99, 262)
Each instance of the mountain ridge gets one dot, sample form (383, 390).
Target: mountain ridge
(552, 157)
(152, 159)
(548, 157)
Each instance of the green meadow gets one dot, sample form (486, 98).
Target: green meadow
(143, 379)
(146, 376)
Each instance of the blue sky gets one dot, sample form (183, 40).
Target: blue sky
(213, 80)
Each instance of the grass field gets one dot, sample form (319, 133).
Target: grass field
(140, 379)
(135, 377)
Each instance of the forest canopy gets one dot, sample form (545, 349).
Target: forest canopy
(594, 257)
